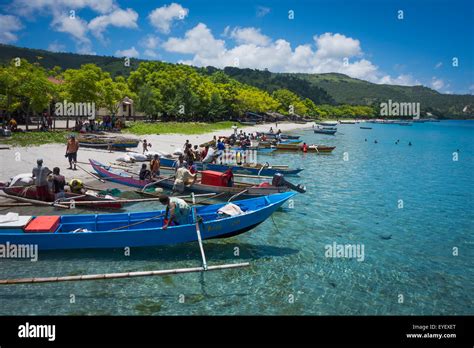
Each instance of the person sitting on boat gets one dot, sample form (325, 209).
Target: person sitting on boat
(204, 152)
(71, 151)
(58, 182)
(183, 178)
(180, 163)
(40, 176)
(197, 153)
(192, 167)
(145, 174)
(178, 210)
(155, 166)
(76, 186)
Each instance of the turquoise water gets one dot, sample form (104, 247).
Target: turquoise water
(408, 251)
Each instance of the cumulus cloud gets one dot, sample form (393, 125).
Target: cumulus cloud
(130, 53)
(437, 83)
(118, 18)
(329, 52)
(8, 26)
(249, 36)
(163, 17)
(30, 7)
(151, 53)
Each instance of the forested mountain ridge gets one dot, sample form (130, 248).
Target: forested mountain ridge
(321, 89)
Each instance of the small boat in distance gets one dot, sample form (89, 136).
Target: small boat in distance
(327, 123)
(311, 148)
(325, 130)
(137, 229)
(365, 127)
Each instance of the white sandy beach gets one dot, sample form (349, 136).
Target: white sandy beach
(17, 160)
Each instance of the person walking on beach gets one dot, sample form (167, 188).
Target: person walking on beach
(146, 145)
(58, 184)
(155, 166)
(177, 209)
(235, 128)
(40, 176)
(71, 151)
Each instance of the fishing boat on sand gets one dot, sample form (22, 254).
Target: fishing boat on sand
(97, 141)
(311, 148)
(207, 182)
(140, 229)
(96, 199)
(248, 168)
(327, 123)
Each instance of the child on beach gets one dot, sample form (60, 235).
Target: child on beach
(146, 145)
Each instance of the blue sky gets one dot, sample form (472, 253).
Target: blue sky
(362, 38)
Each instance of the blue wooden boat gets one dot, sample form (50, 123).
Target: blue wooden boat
(290, 141)
(236, 169)
(260, 150)
(142, 229)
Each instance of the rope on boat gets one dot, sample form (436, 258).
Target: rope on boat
(139, 222)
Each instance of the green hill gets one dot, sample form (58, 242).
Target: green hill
(331, 88)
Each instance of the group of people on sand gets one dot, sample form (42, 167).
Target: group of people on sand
(51, 185)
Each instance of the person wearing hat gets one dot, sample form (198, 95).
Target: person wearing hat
(40, 176)
(71, 151)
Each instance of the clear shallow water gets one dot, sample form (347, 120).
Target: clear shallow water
(408, 251)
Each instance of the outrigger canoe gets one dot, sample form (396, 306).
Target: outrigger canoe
(140, 229)
(92, 140)
(257, 169)
(311, 148)
(99, 200)
(251, 190)
(323, 130)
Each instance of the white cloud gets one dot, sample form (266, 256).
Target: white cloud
(438, 65)
(437, 83)
(150, 42)
(162, 18)
(329, 53)
(262, 11)
(198, 40)
(336, 45)
(130, 53)
(151, 53)
(33, 7)
(56, 47)
(8, 26)
(118, 18)
(248, 35)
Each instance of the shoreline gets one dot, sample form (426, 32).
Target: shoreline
(18, 159)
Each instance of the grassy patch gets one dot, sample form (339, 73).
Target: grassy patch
(35, 138)
(142, 128)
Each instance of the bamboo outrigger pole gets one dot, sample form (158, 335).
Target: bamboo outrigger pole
(120, 275)
(198, 232)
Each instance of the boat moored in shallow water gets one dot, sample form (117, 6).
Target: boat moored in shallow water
(140, 229)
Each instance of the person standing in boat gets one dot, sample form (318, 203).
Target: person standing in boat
(155, 166)
(304, 147)
(177, 209)
(71, 151)
(180, 163)
(58, 184)
(40, 176)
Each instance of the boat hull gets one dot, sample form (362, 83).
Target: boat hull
(325, 131)
(223, 191)
(268, 171)
(30, 193)
(148, 232)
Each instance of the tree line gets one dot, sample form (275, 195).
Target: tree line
(159, 90)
